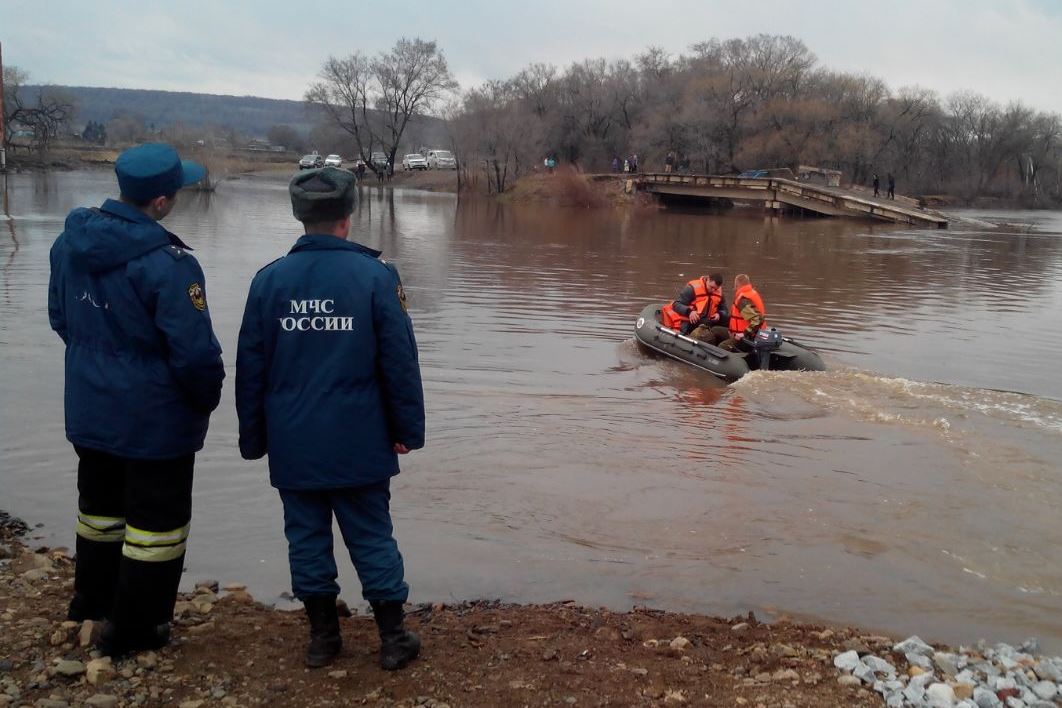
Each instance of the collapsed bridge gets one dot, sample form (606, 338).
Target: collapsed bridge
(778, 194)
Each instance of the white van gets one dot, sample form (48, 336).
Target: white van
(441, 160)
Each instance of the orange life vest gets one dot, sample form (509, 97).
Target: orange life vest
(704, 302)
(737, 322)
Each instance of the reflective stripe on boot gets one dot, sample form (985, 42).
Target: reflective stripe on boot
(154, 546)
(104, 529)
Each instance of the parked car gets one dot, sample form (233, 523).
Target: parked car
(414, 161)
(379, 161)
(441, 160)
(311, 161)
(333, 161)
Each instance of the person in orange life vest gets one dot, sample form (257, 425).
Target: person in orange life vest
(747, 315)
(715, 328)
(698, 307)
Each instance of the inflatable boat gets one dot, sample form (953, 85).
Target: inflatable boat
(771, 350)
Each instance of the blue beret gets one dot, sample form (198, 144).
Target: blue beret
(153, 170)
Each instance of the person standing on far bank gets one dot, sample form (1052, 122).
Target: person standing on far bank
(877, 185)
(891, 182)
(328, 385)
(143, 374)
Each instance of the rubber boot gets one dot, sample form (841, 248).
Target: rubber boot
(116, 642)
(96, 571)
(81, 609)
(398, 646)
(325, 639)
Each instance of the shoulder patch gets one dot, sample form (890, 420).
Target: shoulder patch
(195, 292)
(176, 252)
(399, 290)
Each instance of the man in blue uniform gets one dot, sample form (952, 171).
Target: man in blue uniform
(328, 385)
(143, 373)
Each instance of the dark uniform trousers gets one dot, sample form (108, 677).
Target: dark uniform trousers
(133, 520)
(364, 518)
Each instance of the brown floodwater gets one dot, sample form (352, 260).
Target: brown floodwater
(914, 487)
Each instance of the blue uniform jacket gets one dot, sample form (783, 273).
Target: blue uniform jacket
(143, 368)
(327, 378)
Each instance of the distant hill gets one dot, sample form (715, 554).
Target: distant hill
(249, 115)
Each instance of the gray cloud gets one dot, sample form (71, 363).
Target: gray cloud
(1006, 50)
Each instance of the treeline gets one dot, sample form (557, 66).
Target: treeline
(759, 102)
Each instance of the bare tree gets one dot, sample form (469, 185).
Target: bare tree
(654, 63)
(586, 108)
(373, 100)
(910, 118)
(44, 110)
(413, 78)
(537, 86)
(1045, 148)
(488, 134)
(14, 78)
(343, 96)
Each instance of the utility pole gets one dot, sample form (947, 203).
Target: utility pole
(3, 130)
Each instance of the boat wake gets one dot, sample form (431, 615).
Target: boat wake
(896, 400)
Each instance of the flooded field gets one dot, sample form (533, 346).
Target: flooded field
(916, 486)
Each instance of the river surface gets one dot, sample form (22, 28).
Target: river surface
(915, 487)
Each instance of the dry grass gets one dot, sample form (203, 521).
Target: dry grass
(564, 187)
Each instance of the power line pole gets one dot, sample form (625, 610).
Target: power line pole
(3, 130)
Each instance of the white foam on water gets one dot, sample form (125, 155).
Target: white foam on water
(898, 400)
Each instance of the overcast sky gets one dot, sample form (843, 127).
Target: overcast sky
(1006, 49)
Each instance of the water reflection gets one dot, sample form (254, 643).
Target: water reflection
(5, 207)
(913, 487)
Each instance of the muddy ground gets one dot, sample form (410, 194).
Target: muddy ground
(568, 187)
(230, 650)
(427, 180)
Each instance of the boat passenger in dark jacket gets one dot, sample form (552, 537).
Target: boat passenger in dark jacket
(700, 309)
(143, 373)
(328, 385)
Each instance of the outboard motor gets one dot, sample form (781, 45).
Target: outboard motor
(766, 341)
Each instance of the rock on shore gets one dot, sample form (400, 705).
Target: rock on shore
(970, 677)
